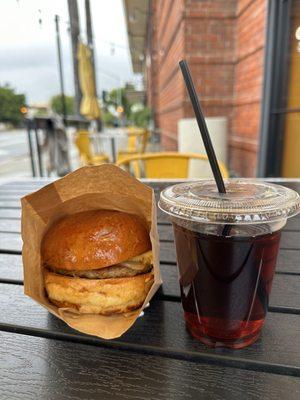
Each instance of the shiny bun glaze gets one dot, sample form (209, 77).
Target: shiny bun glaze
(94, 240)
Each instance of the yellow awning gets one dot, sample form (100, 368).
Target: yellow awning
(89, 106)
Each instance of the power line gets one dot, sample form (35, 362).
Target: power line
(77, 26)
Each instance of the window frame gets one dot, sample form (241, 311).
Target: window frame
(275, 88)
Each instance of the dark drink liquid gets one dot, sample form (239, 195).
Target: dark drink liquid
(225, 284)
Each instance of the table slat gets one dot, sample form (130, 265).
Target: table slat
(34, 367)
(12, 208)
(9, 204)
(285, 290)
(274, 351)
(289, 240)
(10, 225)
(285, 293)
(51, 368)
(10, 213)
(288, 260)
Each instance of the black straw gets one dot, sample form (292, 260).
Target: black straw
(202, 126)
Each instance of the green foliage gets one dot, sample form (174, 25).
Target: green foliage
(107, 118)
(141, 117)
(135, 114)
(10, 104)
(57, 106)
(40, 112)
(117, 97)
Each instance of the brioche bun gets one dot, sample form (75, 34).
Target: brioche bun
(98, 262)
(94, 240)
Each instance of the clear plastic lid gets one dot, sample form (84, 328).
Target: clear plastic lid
(245, 202)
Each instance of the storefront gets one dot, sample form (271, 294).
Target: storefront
(245, 61)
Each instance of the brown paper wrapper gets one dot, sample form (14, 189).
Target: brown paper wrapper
(88, 188)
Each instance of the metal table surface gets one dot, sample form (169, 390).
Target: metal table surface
(41, 357)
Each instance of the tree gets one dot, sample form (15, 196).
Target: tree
(107, 118)
(56, 104)
(136, 113)
(141, 117)
(117, 97)
(10, 104)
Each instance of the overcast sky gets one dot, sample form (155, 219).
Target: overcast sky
(28, 56)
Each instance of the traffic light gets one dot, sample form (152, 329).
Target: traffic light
(23, 110)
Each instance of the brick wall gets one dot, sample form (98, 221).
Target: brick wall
(168, 43)
(151, 62)
(223, 41)
(209, 48)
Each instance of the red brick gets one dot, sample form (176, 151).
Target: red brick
(223, 41)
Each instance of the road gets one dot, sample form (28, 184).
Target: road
(15, 159)
(13, 144)
(14, 154)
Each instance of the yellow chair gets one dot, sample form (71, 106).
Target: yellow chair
(87, 157)
(164, 165)
(137, 142)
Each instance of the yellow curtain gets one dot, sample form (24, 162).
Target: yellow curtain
(89, 106)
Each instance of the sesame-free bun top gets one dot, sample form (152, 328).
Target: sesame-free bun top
(94, 240)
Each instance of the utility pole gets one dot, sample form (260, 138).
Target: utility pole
(89, 32)
(61, 77)
(90, 41)
(75, 31)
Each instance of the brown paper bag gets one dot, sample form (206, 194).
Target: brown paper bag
(88, 188)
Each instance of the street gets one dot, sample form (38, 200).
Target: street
(14, 154)
(15, 158)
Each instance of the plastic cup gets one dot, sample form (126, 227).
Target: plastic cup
(227, 246)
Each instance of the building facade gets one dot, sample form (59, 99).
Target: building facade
(245, 60)
(224, 44)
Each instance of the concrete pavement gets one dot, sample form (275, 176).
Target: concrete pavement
(14, 154)
(15, 159)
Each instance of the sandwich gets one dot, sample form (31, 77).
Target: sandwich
(98, 262)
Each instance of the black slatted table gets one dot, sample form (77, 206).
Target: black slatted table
(42, 358)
